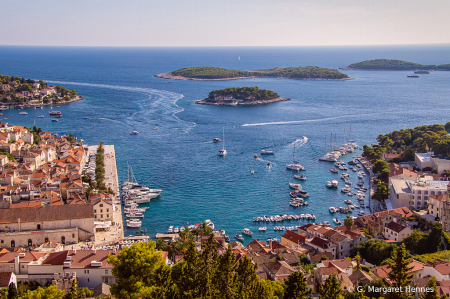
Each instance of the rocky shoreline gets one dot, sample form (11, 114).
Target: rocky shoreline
(240, 102)
(169, 76)
(14, 105)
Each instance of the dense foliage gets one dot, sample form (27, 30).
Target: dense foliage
(241, 93)
(309, 72)
(409, 141)
(396, 65)
(375, 250)
(398, 277)
(10, 96)
(141, 273)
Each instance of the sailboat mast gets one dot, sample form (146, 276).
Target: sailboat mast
(223, 137)
(335, 140)
(325, 144)
(331, 142)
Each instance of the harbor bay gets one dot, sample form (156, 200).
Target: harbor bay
(174, 150)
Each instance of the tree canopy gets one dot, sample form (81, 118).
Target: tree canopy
(252, 93)
(309, 72)
(395, 65)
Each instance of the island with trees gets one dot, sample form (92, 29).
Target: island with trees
(394, 65)
(205, 73)
(18, 92)
(234, 96)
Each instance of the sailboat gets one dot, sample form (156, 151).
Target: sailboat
(299, 177)
(295, 165)
(223, 152)
(269, 152)
(294, 185)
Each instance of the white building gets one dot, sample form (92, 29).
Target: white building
(396, 232)
(423, 160)
(414, 193)
(440, 164)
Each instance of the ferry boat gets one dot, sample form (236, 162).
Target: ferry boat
(55, 112)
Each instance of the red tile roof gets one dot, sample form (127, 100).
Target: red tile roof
(294, 237)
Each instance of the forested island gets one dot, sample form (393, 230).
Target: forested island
(234, 96)
(395, 65)
(18, 92)
(217, 73)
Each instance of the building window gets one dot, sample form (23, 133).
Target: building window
(107, 215)
(106, 279)
(107, 210)
(63, 240)
(2, 242)
(95, 211)
(95, 216)
(106, 271)
(88, 279)
(45, 240)
(101, 205)
(23, 266)
(73, 235)
(38, 227)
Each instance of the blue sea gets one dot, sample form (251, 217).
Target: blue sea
(121, 95)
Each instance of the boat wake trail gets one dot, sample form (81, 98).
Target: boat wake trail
(291, 122)
(158, 103)
(301, 142)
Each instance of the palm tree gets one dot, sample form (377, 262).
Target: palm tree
(348, 222)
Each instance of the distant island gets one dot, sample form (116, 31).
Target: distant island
(17, 92)
(217, 73)
(234, 96)
(394, 65)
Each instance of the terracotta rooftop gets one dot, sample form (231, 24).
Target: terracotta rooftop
(395, 227)
(294, 237)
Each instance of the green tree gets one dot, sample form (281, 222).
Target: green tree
(225, 274)
(413, 241)
(12, 291)
(331, 289)
(296, 287)
(435, 237)
(431, 285)
(348, 222)
(136, 270)
(84, 293)
(50, 292)
(73, 292)
(398, 277)
(382, 192)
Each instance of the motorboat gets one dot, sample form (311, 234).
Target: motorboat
(337, 221)
(294, 165)
(40, 116)
(255, 156)
(246, 231)
(361, 213)
(239, 237)
(54, 120)
(329, 185)
(134, 224)
(334, 170)
(217, 140)
(348, 201)
(262, 229)
(23, 113)
(134, 132)
(333, 209)
(170, 230)
(335, 183)
(302, 193)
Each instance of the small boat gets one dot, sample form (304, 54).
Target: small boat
(23, 113)
(361, 213)
(252, 172)
(155, 128)
(334, 170)
(54, 120)
(42, 108)
(337, 221)
(348, 201)
(329, 185)
(300, 177)
(40, 116)
(239, 237)
(333, 209)
(268, 164)
(217, 140)
(255, 156)
(134, 132)
(262, 229)
(223, 151)
(246, 231)
(413, 76)
(335, 183)
(295, 186)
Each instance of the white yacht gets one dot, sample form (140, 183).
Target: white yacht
(295, 186)
(333, 210)
(23, 113)
(262, 229)
(329, 185)
(269, 151)
(246, 231)
(134, 132)
(295, 165)
(335, 183)
(223, 151)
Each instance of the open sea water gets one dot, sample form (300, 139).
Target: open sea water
(121, 95)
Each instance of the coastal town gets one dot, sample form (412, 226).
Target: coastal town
(61, 220)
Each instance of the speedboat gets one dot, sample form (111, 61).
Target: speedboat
(337, 221)
(334, 170)
(262, 229)
(217, 140)
(333, 210)
(247, 231)
(23, 113)
(239, 237)
(255, 156)
(54, 120)
(267, 152)
(329, 185)
(134, 132)
(348, 201)
(40, 116)
(335, 183)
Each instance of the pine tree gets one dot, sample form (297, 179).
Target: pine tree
(225, 274)
(73, 292)
(398, 276)
(431, 285)
(12, 291)
(296, 287)
(331, 289)
(247, 282)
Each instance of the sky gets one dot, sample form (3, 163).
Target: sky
(223, 23)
